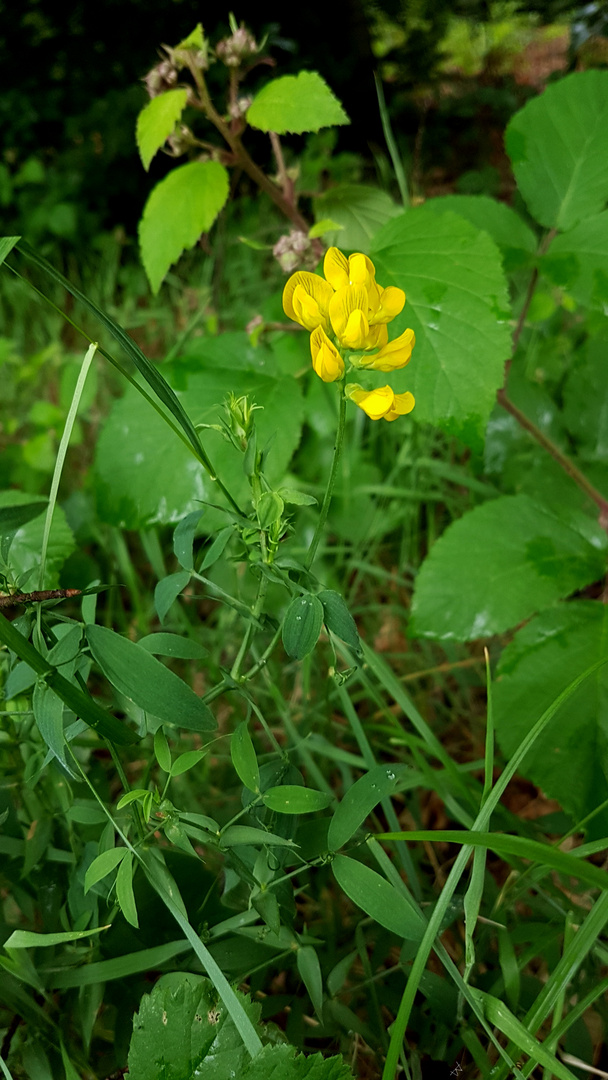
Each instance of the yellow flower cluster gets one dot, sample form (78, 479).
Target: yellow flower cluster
(347, 312)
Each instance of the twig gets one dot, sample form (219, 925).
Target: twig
(37, 597)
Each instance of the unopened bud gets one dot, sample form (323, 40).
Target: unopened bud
(160, 78)
(293, 251)
(240, 46)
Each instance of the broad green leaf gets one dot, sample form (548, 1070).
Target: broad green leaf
(282, 1062)
(243, 757)
(501, 563)
(156, 122)
(568, 761)
(103, 865)
(586, 399)
(378, 898)
(168, 590)
(27, 541)
(181, 1025)
(558, 145)
(194, 40)
(457, 304)
(292, 799)
(363, 796)
(145, 475)
(359, 212)
(27, 939)
(183, 539)
(142, 679)
(577, 261)
(180, 208)
(296, 103)
(302, 625)
(515, 239)
(7, 244)
(239, 835)
(338, 618)
(124, 890)
(12, 518)
(173, 645)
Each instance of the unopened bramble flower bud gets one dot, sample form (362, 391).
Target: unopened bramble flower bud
(238, 108)
(160, 78)
(240, 46)
(293, 250)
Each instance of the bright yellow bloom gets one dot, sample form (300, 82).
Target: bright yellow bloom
(381, 403)
(348, 312)
(348, 315)
(306, 300)
(393, 355)
(326, 360)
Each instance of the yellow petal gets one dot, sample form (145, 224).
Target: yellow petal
(376, 403)
(390, 304)
(326, 360)
(348, 314)
(394, 354)
(335, 268)
(306, 299)
(361, 271)
(403, 404)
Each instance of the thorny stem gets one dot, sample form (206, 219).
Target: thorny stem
(330, 484)
(242, 158)
(528, 425)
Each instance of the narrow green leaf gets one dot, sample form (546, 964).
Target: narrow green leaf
(187, 761)
(182, 648)
(363, 796)
(218, 547)
(269, 509)
(296, 103)
(296, 498)
(76, 700)
(167, 591)
(157, 121)
(162, 752)
(302, 625)
(124, 890)
(135, 795)
(558, 145)
(144, 680)
(180, 208)
(374, 895)
(292, 799)
(237, 835)
(102, 866)
(7, 244)
(501, 1016)
(309, 968)
(183, 539)
(338, 618)
(48, 714)
(27, 939)
(244, 757)
(119, 967)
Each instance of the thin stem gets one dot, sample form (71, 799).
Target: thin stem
(330, 484)
(566, 464)
(256, 612)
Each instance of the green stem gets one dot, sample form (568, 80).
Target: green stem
(330, 484)
(256, 612)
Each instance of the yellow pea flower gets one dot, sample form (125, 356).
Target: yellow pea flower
(381, 403)
(390, 303)
(393, 355)
(356, 270)
(326, 360)
(306, 300)
(348, 315)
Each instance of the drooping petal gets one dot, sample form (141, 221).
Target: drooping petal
(403, 404)
(306, 300)
(390, 304)
(335, 268)
(326, 360)
(376, 403)
(348, 314)
(394, 354)
(361, 271)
